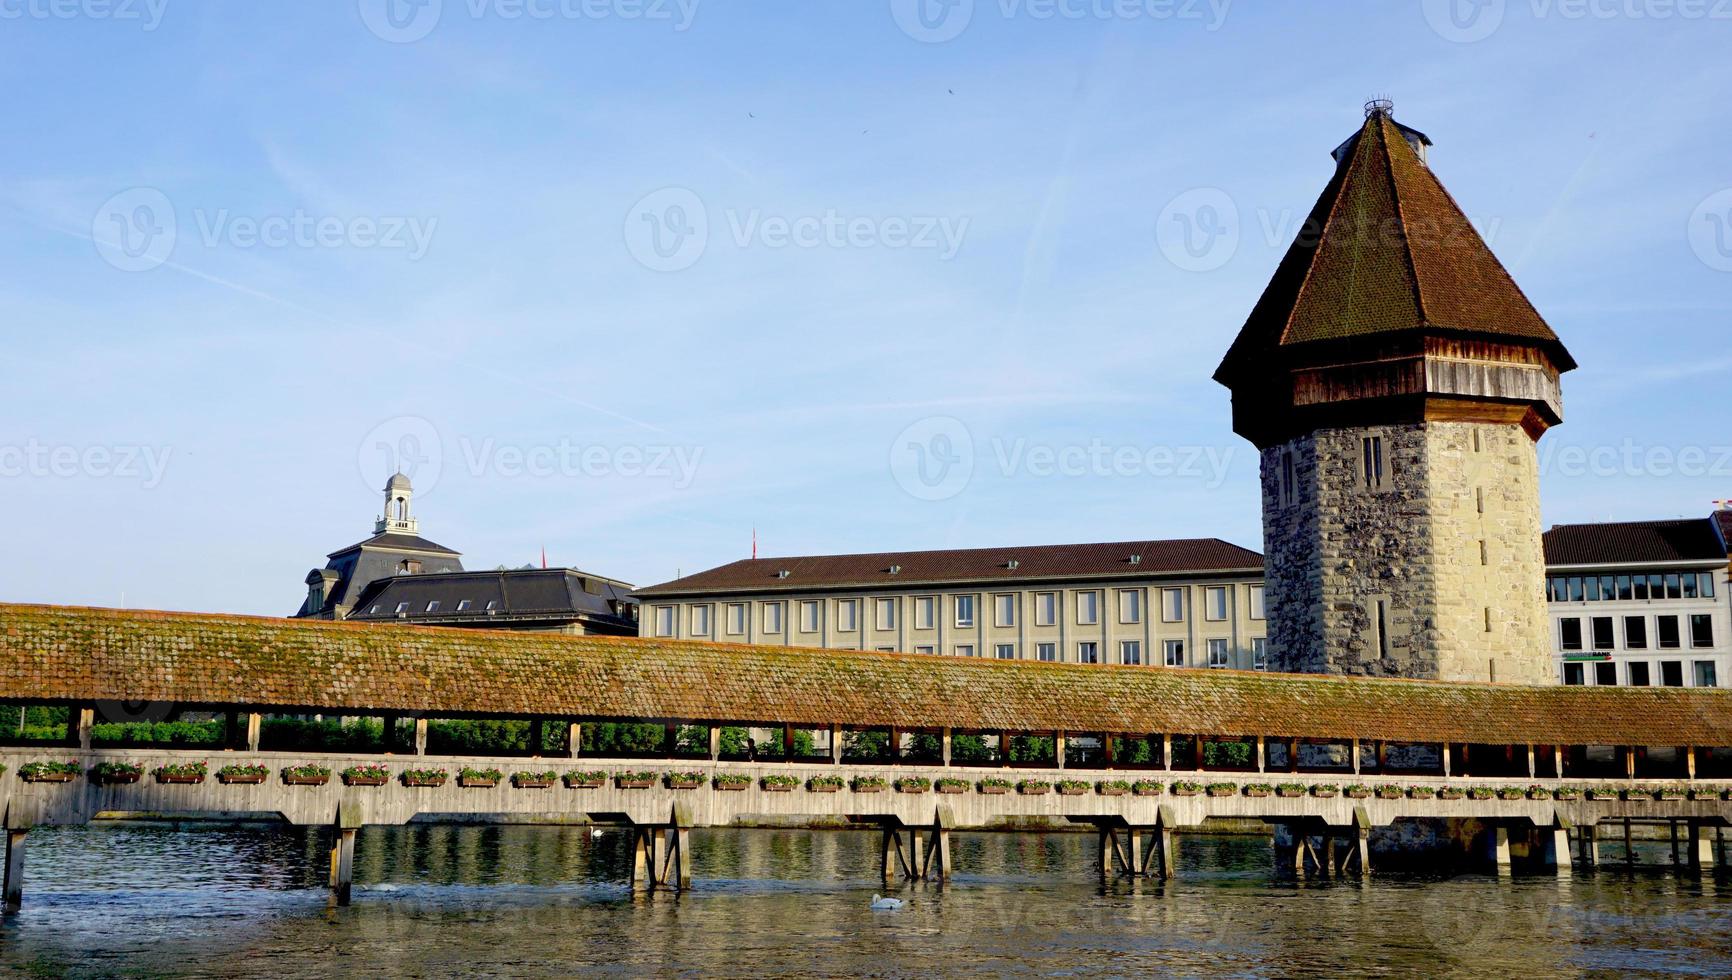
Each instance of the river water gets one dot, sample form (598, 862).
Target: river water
(143, 900)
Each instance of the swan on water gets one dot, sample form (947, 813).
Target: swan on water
(882, 904)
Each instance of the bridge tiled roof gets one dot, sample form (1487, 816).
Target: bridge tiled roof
(80, 655)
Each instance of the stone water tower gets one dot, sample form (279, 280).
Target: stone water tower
(1396, 381)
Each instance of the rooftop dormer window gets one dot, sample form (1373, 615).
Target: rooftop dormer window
(463, 605)
(433, 606)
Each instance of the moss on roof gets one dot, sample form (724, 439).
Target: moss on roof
(70, 654)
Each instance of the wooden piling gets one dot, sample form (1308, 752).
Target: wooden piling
(14, 895)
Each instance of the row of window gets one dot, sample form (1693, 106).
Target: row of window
(463, 605)
(1130, 653)
(1630, 588)
(1639, 673)
(1602, 630)
(1217, 606)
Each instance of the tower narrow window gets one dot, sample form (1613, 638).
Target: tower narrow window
(1383, 629)
(1374, 464)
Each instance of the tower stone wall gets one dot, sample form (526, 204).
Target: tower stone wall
(1430, 568)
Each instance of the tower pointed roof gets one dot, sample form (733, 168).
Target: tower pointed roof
(1385, 252)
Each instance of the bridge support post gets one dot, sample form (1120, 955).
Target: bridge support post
(14, 899)
(255, 731)
(420, 736)
(935, 863)
(79, 721)
(1163, 846)
(1588, 839)
(642, 868)
(1557, 848)
(342, 864)
(1701, 847)
(895, 861)
(1500, 853)
(1361, 856)
(573, 740)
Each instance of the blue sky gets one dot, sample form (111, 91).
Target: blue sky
(255, 253)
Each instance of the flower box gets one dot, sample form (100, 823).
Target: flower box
(1568, 794)
(1033, 788)
(1147, 789)
(1422, 793)
(533, 780)
(1326, 792)
(1669, 795)
(1603, 794)
(297, 780)
(1289, 792)
(1511, 794)
(242, 778)
(1704, 794)
(634, 780)
(425, 778)
(1391, 793)
(825, 784)
(183, 774)
(1187, 789)
(1259, 792)
(1069, 788)
(585, 780)
(685, 780)
(729, 787)
(1113, 789)
(49, 777)
(951, 787)
(778, 784)
(913, 786)
(50, 772)
(869, 784)
(1358, 792)
(180, 780)
(1221, 791)
(365, 780)
(366, 776)
(116, 774)
(1452, 793)
(994, 787)
(479, 778)
(1540, 793)
(1481, 795)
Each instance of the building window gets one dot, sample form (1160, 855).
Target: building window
(1004, 610)
(1215, 608)
(809, 616)
(408, 566)
(1373, 464)
(736, 618)
(664, 621)
(847, 615)
(433, 605)
(402, 607)
(1046, 608)
(1606, 674)
(1705, 674)
(1259, 654)
(1175, 653)
(1667, 628)
(1604, 629)
(1259, 610)
(926, 650)
(1638, 673)
(773, 617)
(965, 611)
(1088, 653)
(965, 650)
(886, 614)
(1707, 584)
(1046, 653)
(1172, 605)
(492, 604)
(1130, 605)
(925, 612)
(1571, 630)
(463, 605)
(1005, 651)
(1088, 608)
(1635, 632)
(1573, 675)
(374, 611)
(1130, 653)
(886, 649)
(1674, 586)
(1701, 632)
(1218, 654)
(1671, 673)
(700, 620)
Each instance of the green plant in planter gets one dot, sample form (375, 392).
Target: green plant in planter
(1259, 790)
(730, 780)
(590, 779)
(685, 780)
(1113, 787)
(1223, 790)
(1704, 794)
(1669, 793)
(634, 780)
(1481, 793)
(467, 774)
(1603, 793)
(425, 777)
(1391, 792)
(1358, 791)
(231, 772)
(779, 783)
(1567, 793)
(183, 771)
(913, 784)
(1290, 790)
(534, 779)
(366, 774)
(1072, 787)
(1512, 793)
(1186, 788)
(1452, 793)
(1537, 792)
(1147, 787)
(993, 785)
(869, 784)
(1422, 792)
(950, 784)
(825, 784)
(1325, 791)
(116, 771)
(49, 770)
(1033, 787)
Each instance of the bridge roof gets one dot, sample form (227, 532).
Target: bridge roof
(75, 655)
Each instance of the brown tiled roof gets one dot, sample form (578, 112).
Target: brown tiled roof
(1638, 542)
(1386, 250)
(985, 565)
(1724, 519)
(80, 655)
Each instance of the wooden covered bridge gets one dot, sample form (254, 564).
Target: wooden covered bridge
(916, 746)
